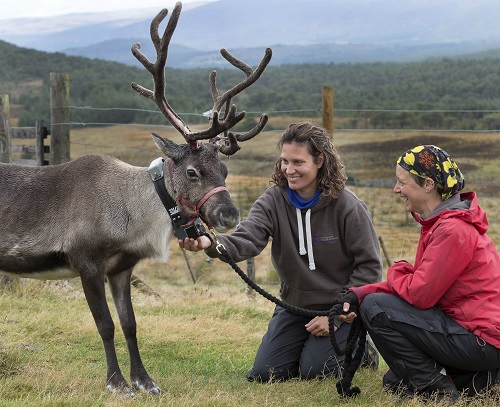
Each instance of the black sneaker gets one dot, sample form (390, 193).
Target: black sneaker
(441, 388)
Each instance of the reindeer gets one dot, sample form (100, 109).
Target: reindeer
(96, 217)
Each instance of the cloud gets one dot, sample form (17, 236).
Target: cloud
(46, 8)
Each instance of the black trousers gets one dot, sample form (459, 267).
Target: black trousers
(417, 344)
(287, 350)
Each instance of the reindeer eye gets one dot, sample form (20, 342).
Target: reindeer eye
(191, 173)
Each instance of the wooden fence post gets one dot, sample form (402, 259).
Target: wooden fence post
(5, 153)
(327, 109)
(5, 156)
(384, 250)
(251, 275)
(193, 277)
(41, 149)
(59, 117)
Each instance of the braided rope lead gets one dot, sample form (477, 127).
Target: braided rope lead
(357, 333)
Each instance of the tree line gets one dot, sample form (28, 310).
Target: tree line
(432, 94)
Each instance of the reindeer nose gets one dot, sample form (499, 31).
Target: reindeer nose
(226, 217)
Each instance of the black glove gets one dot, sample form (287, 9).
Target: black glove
(351, 298)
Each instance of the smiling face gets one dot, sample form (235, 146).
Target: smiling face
(299, 168)
(408, 189)
(420, 199)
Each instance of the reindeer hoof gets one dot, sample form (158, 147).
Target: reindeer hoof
(156, 391)
(148, 386)
(124, 390)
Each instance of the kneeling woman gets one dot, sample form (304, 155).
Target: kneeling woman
(323, 242)
(435, 322)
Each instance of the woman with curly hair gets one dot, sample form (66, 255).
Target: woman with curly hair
(323, 242)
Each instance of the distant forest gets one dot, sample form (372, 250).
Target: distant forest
(368, 95)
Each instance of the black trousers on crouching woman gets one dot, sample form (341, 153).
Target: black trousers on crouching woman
(287, 350)
(417, 344)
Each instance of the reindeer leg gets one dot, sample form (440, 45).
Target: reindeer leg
(95, 294)
(119, 284)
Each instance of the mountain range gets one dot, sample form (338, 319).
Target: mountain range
(298, 31)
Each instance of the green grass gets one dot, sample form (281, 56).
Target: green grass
(197, 342)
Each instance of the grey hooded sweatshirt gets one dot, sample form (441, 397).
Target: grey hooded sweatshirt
(340, 233)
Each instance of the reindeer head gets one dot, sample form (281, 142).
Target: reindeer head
(195, 169)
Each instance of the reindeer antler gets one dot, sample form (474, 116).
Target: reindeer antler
(157, 70)
(218, 124)
(230, 110)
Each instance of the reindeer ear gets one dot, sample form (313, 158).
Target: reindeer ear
(168, 147)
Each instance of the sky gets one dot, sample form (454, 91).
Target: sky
(47, 8)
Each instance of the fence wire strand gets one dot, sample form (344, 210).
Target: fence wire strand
(398, 231)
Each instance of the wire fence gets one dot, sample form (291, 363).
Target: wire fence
(369, 155)
(307, 113)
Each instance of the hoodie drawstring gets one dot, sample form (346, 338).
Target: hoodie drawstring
(302, 249)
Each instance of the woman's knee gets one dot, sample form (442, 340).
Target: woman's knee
(374, 304)
(375, 299)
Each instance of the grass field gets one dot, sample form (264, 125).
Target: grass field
(199, 340)
(369, 157)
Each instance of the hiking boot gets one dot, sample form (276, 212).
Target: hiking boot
(371, 358)
(396, 386)
(495, 376)
(441, 388)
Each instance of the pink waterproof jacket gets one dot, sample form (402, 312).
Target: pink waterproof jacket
(457, 269)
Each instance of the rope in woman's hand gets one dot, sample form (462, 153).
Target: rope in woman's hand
(357, 333)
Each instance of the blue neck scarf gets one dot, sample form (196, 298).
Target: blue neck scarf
(301, 203)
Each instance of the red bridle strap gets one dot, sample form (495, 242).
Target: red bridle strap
(204, 199)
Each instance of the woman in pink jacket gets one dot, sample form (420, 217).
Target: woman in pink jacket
(436, 322)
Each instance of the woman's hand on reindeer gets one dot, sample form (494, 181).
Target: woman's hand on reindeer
(318, 326)
(195, 245)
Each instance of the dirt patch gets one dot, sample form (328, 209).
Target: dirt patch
(372, 163)
(456, 147)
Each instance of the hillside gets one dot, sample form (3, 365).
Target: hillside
(184, 57)
(443, 85)
(444, 96)
(301, 31)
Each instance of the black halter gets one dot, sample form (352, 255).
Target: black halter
(183, 228)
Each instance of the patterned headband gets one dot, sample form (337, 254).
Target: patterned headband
(430, 161)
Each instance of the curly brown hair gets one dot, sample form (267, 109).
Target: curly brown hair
(331, 176)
